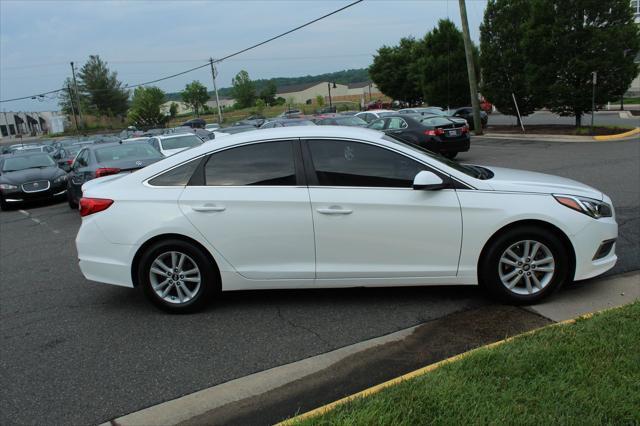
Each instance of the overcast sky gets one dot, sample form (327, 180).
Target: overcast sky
(145, 40)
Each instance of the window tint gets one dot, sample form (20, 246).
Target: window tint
(377, 125)
(346, 163)
(176, 177)
(186, 141)
(435, 121)
(267, 163)
(126, 151)
(82, 159)
(396, 123)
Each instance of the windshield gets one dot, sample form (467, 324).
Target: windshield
(122, 152)
(469, 170)
(186, 141)
(13, 164)
(350, 121)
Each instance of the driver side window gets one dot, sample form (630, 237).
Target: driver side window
(377, 125)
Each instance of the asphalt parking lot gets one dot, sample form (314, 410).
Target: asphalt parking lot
(75, 352)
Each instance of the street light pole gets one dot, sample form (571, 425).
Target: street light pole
(329, 87)
(471, 71)
(593, 97)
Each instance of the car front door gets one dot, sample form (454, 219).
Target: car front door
(253, 207)
(369, 221)
(78, 174)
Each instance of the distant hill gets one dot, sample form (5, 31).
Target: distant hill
(342, 77)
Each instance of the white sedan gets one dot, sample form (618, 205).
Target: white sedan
(173, 143)
(325, 206)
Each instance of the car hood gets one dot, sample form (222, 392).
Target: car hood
(525, 181)
(29, 175)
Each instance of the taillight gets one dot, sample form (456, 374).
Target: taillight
(69, 162)
(465, 129)
(93, 205)
(106, 171)
(434, 132)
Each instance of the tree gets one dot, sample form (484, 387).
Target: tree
(441, 68)
(567, 40)
(320, 100)
(68, 105)
(100, 88)
(392, 71)
(145, 107)
(268, 93)
(173, 109)
(195, 95)
(503, 60)
(259, 107)
(243, 91)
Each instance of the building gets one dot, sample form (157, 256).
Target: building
(23, 124)
(183, 108)
(307, 93)
(225, 102)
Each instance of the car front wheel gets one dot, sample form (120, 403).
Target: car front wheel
(177, 276)
(525, 265)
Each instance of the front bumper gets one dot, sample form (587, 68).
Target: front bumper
(586, 244)
(19, 196)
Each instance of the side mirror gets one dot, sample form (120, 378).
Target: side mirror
(429, 181)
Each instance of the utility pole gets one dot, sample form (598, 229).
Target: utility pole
(594, 81)
(471, 71)
(214, 73)
(73, 109)
(75, 85)
(330, 103)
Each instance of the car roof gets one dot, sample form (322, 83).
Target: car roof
(95, 146)
(174, 135)
(25, 153)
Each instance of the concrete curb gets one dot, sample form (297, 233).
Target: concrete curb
(619, 136)
(425, 370)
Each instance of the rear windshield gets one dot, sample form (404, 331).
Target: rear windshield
(186, 141)
(350, 121)
(130, 151)
(384, 114)
(435, 121)
(12, 164)
(298, 123)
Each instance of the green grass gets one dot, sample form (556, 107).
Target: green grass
(630, 101)
(585, 373)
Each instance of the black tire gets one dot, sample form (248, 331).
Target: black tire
(209, 282)
(3, 205)
(450, 155)
(489, 273)
(72, 204)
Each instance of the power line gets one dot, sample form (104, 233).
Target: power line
(131, 86)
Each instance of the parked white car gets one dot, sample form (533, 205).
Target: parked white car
(374, 114)
(174, 143)
(212, 126)
(326, 206)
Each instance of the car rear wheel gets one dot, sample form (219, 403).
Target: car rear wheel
(524, 265)
(177, 276)
(450, 155)
(72, 204)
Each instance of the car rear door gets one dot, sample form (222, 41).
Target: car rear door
(252, 205)
(370, 223)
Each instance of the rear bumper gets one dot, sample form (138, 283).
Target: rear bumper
(438, 144)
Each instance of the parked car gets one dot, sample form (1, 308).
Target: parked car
(287, 122)
(424, 111)
(253, 120)
(67, 154)
(467, 114)
(98, 160)
(195, 123)
(226, 131)
(435, 133)
(372, 115)
(28, 176)
(291, 113)
(171, 144)
(211, 126)
(365, 210)
(339, 120)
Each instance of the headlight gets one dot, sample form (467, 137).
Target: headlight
(7, 186)
(59, 179)
(594, 208)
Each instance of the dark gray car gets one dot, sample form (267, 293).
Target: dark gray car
(105, 159)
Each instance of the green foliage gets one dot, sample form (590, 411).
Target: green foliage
(195, 95)
(268, 93)
(67, 105)
(441, 66)
(100, 89)
(392, 71)
(320, 100)
(173, 109)
(280, 100)
(259, 107)
(145, 107)
(503, 66)
(567, 40)
(244, 91)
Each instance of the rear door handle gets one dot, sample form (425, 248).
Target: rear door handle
(334, 210)
(209, 208)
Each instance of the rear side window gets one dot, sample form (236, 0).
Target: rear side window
(178, 176)
(266, 163)
(346, 163)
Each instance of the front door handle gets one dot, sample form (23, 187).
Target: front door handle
(209, 208)
(334, 210)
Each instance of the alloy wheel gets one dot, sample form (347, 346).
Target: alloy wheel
(526, 267)
(175, 277)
